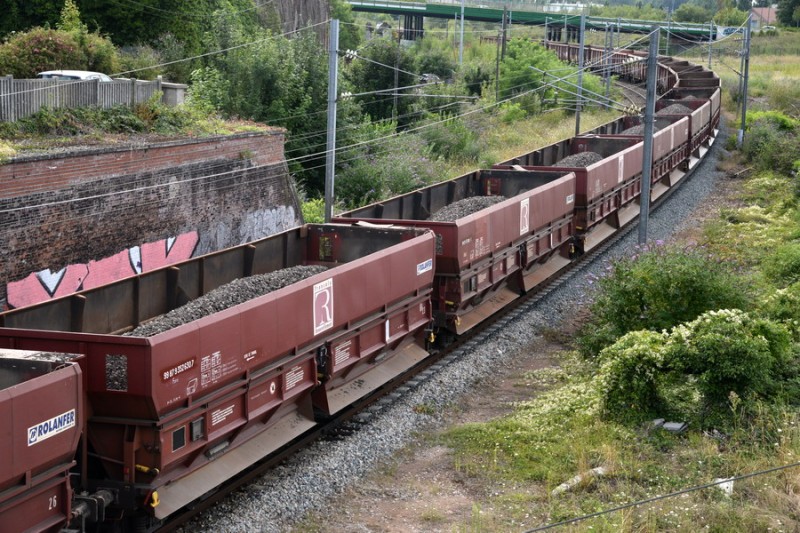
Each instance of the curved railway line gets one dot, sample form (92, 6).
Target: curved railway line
(162, 426)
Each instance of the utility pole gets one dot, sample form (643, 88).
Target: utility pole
(580, 76)
(397, 70)
(333, 94)
(710, 41)
(746, 74)
(461, 41)
(505, 29)
(497, 67)
(669, 25)
(649, 114)
(609, 48)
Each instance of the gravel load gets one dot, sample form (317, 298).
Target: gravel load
(637, 130)
(583, 159)
(467, 206)
(675, 109)
(277, 501)
(234, 293)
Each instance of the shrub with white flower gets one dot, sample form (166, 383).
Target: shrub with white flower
(630, 377)
(730, 350)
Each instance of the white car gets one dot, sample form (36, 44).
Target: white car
(73, 75)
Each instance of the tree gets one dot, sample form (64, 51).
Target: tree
(349, 32)
(22, 15)
(517, 76)
(788, 12)
(376, 72)
(692, 13)
(730, 17)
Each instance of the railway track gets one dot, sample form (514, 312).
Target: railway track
(355, 417)
(181, 419)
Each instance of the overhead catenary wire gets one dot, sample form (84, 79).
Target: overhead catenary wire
(306, 157)
(639, 503)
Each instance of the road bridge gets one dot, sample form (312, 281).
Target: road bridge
(416, 12)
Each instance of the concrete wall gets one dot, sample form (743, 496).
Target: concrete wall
(74, 220)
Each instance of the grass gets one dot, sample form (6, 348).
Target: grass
(533, 454)
(504, 141)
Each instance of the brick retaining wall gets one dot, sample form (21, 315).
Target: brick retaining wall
(69, 212)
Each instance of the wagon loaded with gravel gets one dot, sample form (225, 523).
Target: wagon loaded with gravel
(195, 371)
(41, 414)
(495, 232)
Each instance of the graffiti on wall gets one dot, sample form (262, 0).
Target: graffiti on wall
(41, 286)
(259, 224)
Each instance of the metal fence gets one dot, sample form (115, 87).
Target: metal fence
(22, 98)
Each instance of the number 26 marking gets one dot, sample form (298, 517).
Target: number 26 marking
(53, 503)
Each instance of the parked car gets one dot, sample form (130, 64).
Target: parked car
(73, 75)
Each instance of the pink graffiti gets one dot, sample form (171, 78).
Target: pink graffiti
(45, 285)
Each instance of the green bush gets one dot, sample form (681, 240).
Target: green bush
(783, 265)
(512, 112)
(451, 139)
(26, 54)
(630, 376)
(657, 289)
(730, 351)
(359, 184)
(770, 145)
(313, 211)
(137, 62)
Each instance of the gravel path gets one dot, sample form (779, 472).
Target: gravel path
(308, 480)
(467, 206)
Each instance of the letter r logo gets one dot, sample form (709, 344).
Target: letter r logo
(323, 306)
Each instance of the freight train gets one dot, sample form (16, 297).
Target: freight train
(124, 403)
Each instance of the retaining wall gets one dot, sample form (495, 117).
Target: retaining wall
(77, 219)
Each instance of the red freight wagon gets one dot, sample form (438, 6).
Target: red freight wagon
(176, 413)
(41, 419)
(698, 78)
(711, 92)
(484, 259)
(699, 120)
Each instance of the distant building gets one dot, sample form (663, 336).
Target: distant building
(764, 16)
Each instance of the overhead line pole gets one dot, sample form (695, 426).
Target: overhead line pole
(649, 115)
(461, 41)
(333, 94)
(746, 74)
(710, 41)
(580, 76)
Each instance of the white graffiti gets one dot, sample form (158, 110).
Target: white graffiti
(259, 224)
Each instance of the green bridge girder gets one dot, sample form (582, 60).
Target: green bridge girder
(689, 31)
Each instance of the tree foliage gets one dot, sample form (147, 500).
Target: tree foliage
(26, 54)
(692, 13)
(376, 72)
(517, 76)
(789, 12)
(731, 16)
